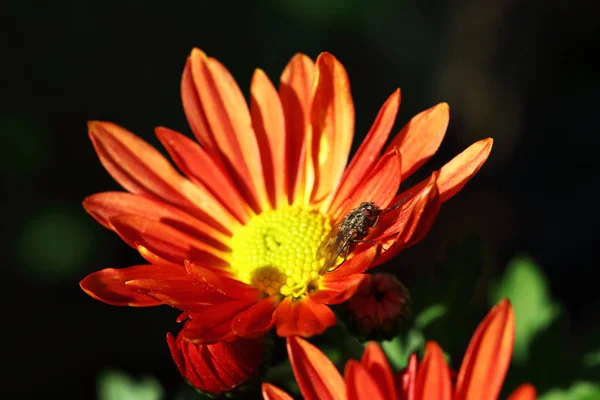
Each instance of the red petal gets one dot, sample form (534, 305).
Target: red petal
(315, 374)
(229, 120)
(302, 318)
(332, 117)
(488, 356)
(336, 291)
(360, 383)
(525, 391)
(295, 91)
(108, 285)
(360, 262)
(210, 373)
(204, 170)
(408, 378)
(456, 173)
(221, 282)
(107, 205)
(166, 241)
(375, 361)
(257, 319)
(142, 170)
(368, 153)
(421, 137)
(201, 335)
(269, 124)
(176, 353)
(433, 377)
(271, 392)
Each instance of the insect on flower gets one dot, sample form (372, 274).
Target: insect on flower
(349, 231)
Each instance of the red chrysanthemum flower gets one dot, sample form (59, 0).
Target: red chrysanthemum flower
(480, 377)
(233, 243)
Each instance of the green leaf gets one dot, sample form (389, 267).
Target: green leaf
(527, 288)
(430, 314)
(578, 391)
(592, 359)
(116, 385)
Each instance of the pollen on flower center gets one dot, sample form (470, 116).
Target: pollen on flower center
(276, 250)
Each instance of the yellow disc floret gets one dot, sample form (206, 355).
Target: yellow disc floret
(276, 250)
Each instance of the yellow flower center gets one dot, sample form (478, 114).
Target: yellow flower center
(276, 250)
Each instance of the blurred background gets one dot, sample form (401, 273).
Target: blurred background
(523, 73)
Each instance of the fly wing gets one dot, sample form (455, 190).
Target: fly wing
(331, 247)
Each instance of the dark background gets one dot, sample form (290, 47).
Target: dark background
(525, 73)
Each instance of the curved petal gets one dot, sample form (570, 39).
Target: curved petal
(167, 242)
(360, 262)
(368, 153)
(222, 282)
(214, 334)
(407, 379)
(360, 384)
(332, 118)
(271, 392)
(269, 124)
(295, 91)
(229, 120)
(176, 354)
(141, 169)
(257, 319)
(379, 186)
(336, 291)
(204, 170)
(456, 173)
(303, 317)
(108, 285)
(107, 205)
(526, 391)
(315, 374)
(488, 356)
(421, 137)
(433, 377)
(377, 364)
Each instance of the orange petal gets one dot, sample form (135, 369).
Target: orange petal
(141, 169)
(271, 392)
(361, 261)
(379, 186)
(202, 168)
(421, 137)
(269, 124)
(221, 281)
(302, 317)
(213, 316)
(108, 285)
(368, 153)
(332, 117)
(526, 391)
(433, 377)
(456, 173)
(231, 126)
(315, 374)
(336, 291)
(377, 364)
(256, 320)
(488, 356)
(295, 91)
(167, 242)
(360, 384)
(107, 205)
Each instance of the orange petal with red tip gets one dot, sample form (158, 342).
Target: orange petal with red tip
(108, 285)
(315, 374)
(141, 169)
(525, 391)
(166, 241)
(220, 281)
(107, 205)
(433, 377)
(295, 91)
(269, 124)
(271, 392)
(303, 317)
(375, 361)
(336, 291)
(332, 117)
(407, 379)
(456, 173)
(229, 120)
(257, 319)
(360, 384)
(488, 356)
(368, 153)
(421, 137)
(379, 186)
(204, 170)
